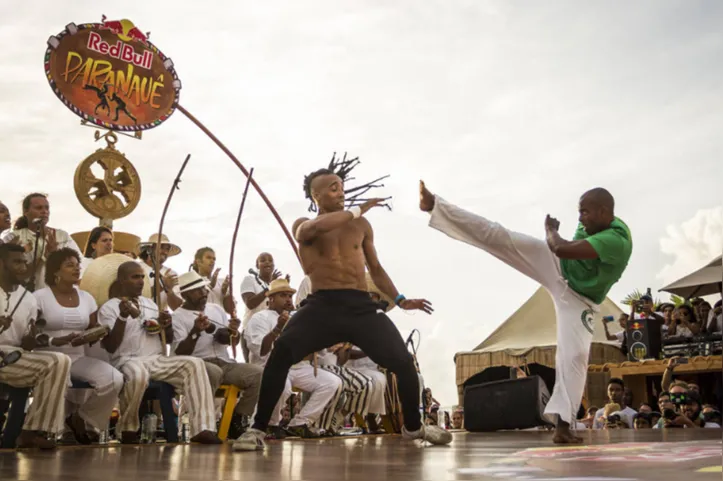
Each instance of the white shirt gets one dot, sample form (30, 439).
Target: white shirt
(26, 236)
(165, 271)
(136, 342)
(27, 310)
(215, 295)
(62, 321)
(249, 284)
(327, 358)
(258, 328)
(362, 363)
(627, 414)
(206, 346)
(715, 323)
(683, 331)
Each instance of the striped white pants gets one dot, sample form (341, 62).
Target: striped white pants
(48, 374)
(325, 390)
(357, 389)
(185, 373)
(378, 388)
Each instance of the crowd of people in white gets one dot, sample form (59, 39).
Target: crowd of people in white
(63, 335)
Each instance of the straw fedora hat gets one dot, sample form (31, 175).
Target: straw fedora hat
(373, 289)
(191, 280)
(103, 272)
(153, 240)
(279, 285)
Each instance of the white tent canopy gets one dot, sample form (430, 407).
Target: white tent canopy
(534, 325)
(703, 282)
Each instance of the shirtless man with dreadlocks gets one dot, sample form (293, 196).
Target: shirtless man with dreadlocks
(334, 249)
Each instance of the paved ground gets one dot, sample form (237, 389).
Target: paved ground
(675, 455)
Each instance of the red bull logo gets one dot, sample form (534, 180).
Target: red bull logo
(120, 50)
(110, 74)
(125, 29)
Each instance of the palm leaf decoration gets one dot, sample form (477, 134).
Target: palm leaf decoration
(637, 294)
(677, 300)
(633, 296)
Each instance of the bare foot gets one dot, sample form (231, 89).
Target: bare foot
(565, 436)
(426, 198)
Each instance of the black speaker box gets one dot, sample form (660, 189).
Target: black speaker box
(644, 339)
(509, 404)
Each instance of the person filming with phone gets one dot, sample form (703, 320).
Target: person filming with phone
(683, 409)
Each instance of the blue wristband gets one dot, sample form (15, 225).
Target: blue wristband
(399, 299)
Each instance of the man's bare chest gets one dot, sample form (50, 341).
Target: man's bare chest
(349, 237)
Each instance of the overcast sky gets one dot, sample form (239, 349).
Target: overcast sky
(510, 109)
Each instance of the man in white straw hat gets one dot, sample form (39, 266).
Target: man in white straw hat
(202, 329)
(324, 387)
(578, 274)
(335, 248)
(135, 350)
(170, 297)
(48, 373)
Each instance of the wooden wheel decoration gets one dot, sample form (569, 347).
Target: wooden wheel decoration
(117, 192)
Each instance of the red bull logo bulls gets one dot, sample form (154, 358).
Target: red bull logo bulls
(125, 29)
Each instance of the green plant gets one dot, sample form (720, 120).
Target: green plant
(636, 294)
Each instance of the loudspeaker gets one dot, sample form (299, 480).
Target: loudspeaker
(644, 339)
(508, 404)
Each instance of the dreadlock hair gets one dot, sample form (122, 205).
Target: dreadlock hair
(342, 168)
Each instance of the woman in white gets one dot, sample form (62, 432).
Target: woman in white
(36, 213)
(204, 263)
(68, 312)
(100, 243)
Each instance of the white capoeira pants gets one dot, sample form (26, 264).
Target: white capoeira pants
(533, 258)
(48, 374)
(95, 405)
(185, 373)
(378, 388)
(325, 389)
(277, 415)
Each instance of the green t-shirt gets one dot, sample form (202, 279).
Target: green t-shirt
(593, 278)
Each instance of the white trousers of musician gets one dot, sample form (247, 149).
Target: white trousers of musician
(533, 258)
(48, 374)
(95, 405)
(325, 389)
(378, 388)
(185, 373)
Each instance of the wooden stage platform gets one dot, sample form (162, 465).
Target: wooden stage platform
(625, 455)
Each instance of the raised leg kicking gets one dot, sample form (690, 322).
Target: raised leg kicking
(578, 275)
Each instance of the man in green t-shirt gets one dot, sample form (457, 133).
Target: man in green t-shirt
(578, 275)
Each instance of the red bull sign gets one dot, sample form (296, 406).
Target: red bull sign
(110, 74)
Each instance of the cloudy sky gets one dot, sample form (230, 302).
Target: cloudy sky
(511, 109)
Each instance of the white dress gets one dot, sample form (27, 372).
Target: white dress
(93, 405)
